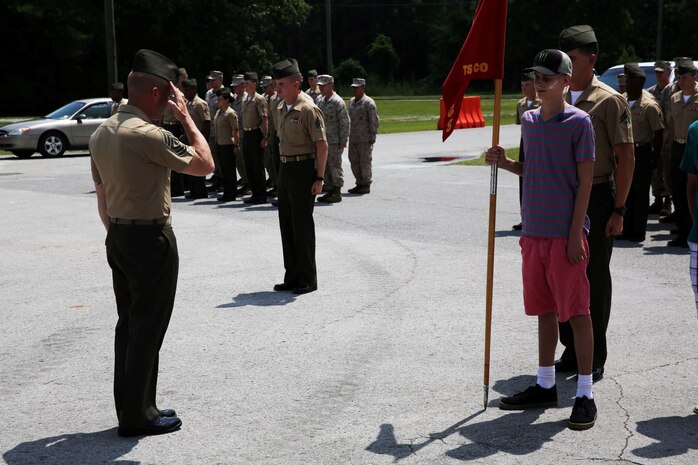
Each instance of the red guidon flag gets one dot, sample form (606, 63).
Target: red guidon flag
(482, 57)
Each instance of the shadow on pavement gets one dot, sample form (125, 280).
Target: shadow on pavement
(260, 299)
(515, 433)
(73, 449)
(675, 436)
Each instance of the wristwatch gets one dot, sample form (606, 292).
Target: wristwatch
(620, 210)
(319, 178)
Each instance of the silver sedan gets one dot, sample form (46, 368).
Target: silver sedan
(68, 128)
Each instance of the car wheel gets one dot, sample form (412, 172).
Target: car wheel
(52, 144)
(23, 153)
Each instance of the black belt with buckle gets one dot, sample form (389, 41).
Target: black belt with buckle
(156, 221)
(292, 158)
(251, 129)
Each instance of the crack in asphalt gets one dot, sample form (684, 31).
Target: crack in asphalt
(630, 434)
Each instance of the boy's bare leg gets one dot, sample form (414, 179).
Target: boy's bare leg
(547, 339)
(583, 342)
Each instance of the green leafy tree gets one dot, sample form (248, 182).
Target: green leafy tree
(383, 57)
(348, 70)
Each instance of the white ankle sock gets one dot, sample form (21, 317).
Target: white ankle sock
(584, 386)
(546, 377)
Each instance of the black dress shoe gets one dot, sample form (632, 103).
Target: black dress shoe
(304, 289)
(225, 198)
(284, 287)
(670, 218)
(258, 201)
(563, 366)
(678, 242)
(158, 425)
(596, 374)
(517, 227)
(168, 412)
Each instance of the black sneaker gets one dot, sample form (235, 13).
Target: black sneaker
(583, 414)
(533, 397)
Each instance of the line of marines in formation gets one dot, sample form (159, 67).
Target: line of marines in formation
(238, 123)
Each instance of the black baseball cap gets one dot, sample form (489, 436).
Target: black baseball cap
(550, 62)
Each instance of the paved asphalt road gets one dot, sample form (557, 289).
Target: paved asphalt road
(383, 364)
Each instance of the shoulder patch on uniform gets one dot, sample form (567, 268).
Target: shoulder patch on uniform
(319, 123)
(625, 118)
(173, 143)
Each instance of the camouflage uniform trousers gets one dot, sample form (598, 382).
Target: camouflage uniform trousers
(334, 175)
(360, 157)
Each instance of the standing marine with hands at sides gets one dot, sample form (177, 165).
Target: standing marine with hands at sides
(557, 179)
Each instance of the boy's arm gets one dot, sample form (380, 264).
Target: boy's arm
(496, 155)
(575, 246)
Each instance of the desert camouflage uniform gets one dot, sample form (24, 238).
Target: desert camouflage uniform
(337, 129)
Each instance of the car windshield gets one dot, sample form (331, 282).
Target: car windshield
(66, 111)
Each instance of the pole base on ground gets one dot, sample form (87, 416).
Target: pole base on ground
(486, 388)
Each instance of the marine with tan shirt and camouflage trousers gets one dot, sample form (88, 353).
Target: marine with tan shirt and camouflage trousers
(364, 127)
(337, 125)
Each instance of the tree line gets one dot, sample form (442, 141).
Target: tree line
(55, 51)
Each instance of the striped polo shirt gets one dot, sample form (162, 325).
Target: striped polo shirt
(553, 149)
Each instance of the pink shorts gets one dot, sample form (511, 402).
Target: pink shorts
(550, 282)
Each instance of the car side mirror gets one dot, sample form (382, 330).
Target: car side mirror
(81, 117)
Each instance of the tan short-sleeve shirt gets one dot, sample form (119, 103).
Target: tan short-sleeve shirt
(300, 127)
(682, 113)
(522, 106)
(226, 122)
(610, 116)
(254, 110)
(647, 118)
(198, 109)
(132, 159)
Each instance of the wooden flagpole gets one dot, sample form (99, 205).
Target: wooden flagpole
(490, 239)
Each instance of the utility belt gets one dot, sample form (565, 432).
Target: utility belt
(156, 221)
(292, 158)
(252, 129)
